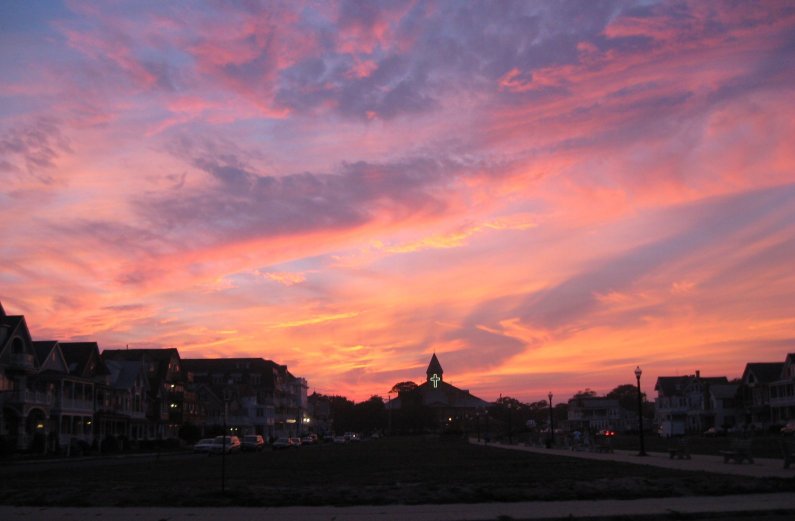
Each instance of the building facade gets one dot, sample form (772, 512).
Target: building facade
(69, 396)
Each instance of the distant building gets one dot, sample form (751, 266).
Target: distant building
(168, 403)
(445, 402)
(757, 378)
(596, 413)
(683, 403)
(782, 393)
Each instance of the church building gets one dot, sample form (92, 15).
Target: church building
(441, 402)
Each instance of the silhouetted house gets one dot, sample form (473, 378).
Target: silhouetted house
(129, 393)
(757, 378)
(782, 393)
(246, 385)
(446, 403)
(26, 404)
(83, 395)
(597, 413)
(683, 403)
(261, 396)
(726, 405)
(320, 413)
(168, 403)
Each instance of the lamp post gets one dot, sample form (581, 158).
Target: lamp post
(510, 424)
(227, 395)
(551, 422)
(642, 452)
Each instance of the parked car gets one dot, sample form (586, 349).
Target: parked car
(340, 439)
(309, 440)
(232, 444)
(607, 433)
(252, 442)
(204, 446)
(789, 428)
(281, 443)
(295, 442)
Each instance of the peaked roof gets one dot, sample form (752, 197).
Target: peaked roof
(157, 361)
(764, 372)
(123, 373)
(2, 311)
(43, 349)
(83, 359)
(434, 367)
(447, 395)
(674, 385)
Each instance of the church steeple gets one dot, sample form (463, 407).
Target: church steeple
(435, 371)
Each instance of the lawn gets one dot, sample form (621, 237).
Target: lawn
(387, 471)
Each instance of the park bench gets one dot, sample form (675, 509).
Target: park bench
(680, 449)
(740, 451)
(787, 452)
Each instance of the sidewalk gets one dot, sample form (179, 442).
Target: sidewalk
(760, 468)
(452, 512)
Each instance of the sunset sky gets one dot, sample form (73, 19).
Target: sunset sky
(545, 194)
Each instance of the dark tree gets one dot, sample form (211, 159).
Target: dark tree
(403, 387)
(585, 393)
(627, 396)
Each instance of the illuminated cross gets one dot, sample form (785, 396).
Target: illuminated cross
(435, 379)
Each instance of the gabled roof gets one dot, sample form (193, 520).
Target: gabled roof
(43, 349)
(763, 372)
(447, 395)
(721, 391)
(123, 373)
(83, 359)
(156, 360)
(15, 326)
(49, 357)
(673, 385)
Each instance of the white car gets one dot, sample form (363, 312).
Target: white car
(205, 445)
(232, 444)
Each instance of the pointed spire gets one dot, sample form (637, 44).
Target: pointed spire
(434, 368)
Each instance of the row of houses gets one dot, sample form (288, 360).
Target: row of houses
(762, 400)
(56, 395)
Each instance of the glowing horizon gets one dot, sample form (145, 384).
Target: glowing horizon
(544, 194)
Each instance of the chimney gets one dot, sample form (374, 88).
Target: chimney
(698, 373)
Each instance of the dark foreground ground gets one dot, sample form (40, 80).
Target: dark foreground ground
(387, 471)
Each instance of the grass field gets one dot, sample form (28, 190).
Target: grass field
(387, 471)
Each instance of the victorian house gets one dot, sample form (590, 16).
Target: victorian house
(168, 404)
(684, 404)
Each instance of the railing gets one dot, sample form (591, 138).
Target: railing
(74, 403)
(22, 361)
(29, 397)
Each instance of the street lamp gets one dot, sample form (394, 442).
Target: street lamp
(510, 424)
(227, 396)
(642, 452)
(551, 422)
